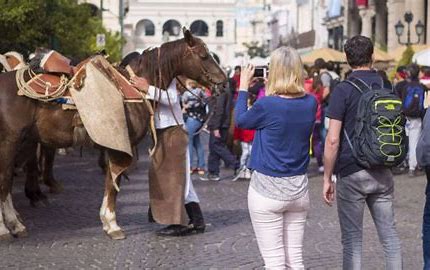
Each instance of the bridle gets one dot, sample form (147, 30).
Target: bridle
(191, 51)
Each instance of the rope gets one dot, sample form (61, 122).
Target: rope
(25, 89)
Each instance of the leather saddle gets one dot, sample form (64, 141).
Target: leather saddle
(129, 93)
(57, 72)
(54, 62)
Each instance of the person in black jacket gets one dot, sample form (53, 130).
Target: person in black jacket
(218, 124)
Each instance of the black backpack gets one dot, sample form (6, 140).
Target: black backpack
(413, 101)
(380, 138)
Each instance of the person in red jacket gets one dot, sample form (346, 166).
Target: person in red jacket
(245, 136)
(314, 86)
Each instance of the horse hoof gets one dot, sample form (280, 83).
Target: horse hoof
(6, 237)
(39, 203)
(117, 235)
(56, 188)
(21, 234)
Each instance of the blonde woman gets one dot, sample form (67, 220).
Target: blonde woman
(278, 199)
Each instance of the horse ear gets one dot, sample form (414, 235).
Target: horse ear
(188, 37)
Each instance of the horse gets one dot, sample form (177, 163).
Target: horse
(43, 160)
(28, 121)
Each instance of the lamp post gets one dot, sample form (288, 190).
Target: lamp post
(400, 27)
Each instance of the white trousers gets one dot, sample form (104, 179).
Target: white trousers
(279, 227)
(413, 130)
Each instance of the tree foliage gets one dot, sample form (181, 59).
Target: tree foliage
(62, 25)
(256, 50)
(407, 56)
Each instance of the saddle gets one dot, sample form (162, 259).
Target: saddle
(130, 93)
(53, 62)
(58, 75)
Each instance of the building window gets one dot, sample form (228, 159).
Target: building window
(199, 28)
(171, 27)
(335, 38)
(219, 28)
(145, 28)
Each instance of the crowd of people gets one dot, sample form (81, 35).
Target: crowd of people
(280, 122)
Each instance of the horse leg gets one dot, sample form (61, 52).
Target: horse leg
(32, 188)
(107, 210)
(9, 221)
(47, 156)
(102, 161)
(11, 217)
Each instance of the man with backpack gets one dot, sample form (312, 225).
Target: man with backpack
(412, 93)
(365, 137)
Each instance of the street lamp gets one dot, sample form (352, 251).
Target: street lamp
(400, 27)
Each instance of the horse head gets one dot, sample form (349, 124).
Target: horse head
(199, 64)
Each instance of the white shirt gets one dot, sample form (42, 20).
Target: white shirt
(163, 115)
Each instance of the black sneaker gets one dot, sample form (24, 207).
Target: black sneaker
(209, 177)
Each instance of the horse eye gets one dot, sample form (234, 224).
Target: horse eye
(204, 55)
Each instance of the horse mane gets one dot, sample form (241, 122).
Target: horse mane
(171, 56)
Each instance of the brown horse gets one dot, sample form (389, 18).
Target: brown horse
(27, 121)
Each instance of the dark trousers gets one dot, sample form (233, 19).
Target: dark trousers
(317, 144)
(426, 224)
(218, 150)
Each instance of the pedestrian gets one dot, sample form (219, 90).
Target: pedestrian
(412, 94)
(423, 157)
(218, 126)
(357, 186)
(314, 86)
(278, 198)
(169, 171)
(245, 138)
(194, 104)
(329, 78)
(425, 76)
(400, 75)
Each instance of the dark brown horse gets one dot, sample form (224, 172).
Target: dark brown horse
(26, 121)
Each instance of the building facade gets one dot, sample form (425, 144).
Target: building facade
(296, 23)
(109, 11)
(150, 23)
(375, 19)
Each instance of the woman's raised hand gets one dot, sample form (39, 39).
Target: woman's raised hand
(246, 76)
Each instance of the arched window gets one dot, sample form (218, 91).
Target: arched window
(145, 28)
(219, 28)
(199, 28)
(173, 27)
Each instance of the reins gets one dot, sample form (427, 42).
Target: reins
(151, 113)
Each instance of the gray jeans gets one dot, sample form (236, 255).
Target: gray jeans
(374, 188)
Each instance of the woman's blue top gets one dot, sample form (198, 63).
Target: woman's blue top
(283, 131)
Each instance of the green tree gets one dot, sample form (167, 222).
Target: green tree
(407, 56)
(404, 61)
(63, 25)
(256, 50)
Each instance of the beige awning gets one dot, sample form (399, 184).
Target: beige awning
(325, 53)
(381, 56)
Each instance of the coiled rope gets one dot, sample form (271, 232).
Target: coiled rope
(25, 89)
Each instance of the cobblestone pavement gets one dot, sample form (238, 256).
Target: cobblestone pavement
(67, 234)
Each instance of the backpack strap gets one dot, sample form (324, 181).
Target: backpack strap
(358, 84)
